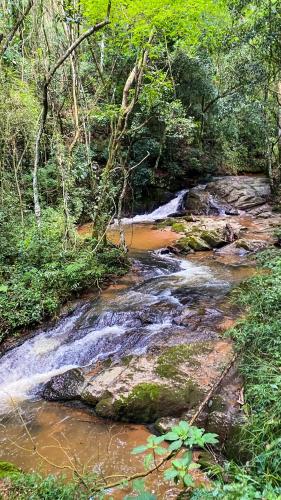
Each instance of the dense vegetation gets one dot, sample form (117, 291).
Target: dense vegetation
(258, 337)
(108, 107)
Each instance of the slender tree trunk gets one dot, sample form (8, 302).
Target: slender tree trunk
(44, 112)
(16, 165)
(134, 81)
(5, 43)
(279, 125)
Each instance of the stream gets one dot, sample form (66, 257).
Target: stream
(128, 318)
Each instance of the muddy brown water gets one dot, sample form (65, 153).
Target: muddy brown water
(65, 436)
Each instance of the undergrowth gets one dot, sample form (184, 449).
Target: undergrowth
(258, 337)
(40, 270)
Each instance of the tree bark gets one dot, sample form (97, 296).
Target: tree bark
(44, 112)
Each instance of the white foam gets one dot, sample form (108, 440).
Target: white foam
(160, 213)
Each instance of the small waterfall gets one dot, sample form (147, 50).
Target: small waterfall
(171, 208)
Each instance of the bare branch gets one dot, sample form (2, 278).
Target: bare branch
(16, 27)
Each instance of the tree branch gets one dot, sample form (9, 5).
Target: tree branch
(16, 27)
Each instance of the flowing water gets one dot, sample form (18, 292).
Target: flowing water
(140, 311)
(171, 208)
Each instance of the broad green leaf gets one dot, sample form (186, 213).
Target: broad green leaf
(3, 289)
(171, 436)
(139, 485)
(176, 445)
(139, 449)
(210, 438)
(170, 474)
(147, 461)
(188, 481)
(160, 451)
(184, 425)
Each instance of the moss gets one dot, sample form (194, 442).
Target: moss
(7, 469)
(149, 401)
(127, 359)
(168, 364)
(212, 238)
(192, 242)
(105, 408)
(166, 223)
(246, 245)
(179, 227)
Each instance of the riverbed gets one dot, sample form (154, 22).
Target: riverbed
(53, 437)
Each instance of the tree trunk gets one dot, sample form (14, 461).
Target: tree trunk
(44, 112)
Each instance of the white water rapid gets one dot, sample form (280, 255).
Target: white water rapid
(135, 319)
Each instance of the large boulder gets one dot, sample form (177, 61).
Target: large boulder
(230, 195)
(241, 192)
(64, 387)
(243, 246)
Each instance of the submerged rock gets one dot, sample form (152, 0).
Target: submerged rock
(66, 386)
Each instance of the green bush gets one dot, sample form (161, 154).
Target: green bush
(35, 487)
(43, 272)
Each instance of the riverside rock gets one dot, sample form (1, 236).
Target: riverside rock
(64, 387)
(229, 195)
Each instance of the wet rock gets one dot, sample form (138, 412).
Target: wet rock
(241, 192)
(201, 202)
(263, 211)
(98, 387)
(251, 245)
(213, 238)
(219, 423)
(167, 382)
(64, 387)
(165, 424)
(192, 242)
(243, 246)
(146, 402)
(198, 202)
(229, 195)
(228, 427)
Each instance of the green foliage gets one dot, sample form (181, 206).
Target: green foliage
(181, 436)
(8, 469)
(42, 271)
(260, 334)
(34, 486)
(259, 337)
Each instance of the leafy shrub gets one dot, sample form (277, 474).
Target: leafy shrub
(42, 273)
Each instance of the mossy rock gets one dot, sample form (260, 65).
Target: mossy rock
(149, 401)
(246, 245)
(7, 469)
(168, 364)
(218, 404)
(179, 227)
(213, 238)
(192, 242)
(234, 446)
